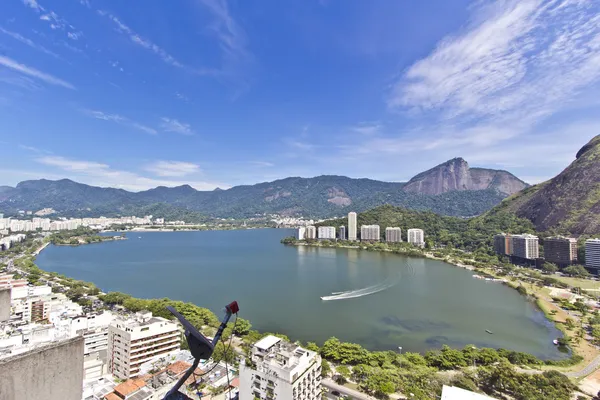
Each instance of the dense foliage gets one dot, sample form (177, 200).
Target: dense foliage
(323, 196)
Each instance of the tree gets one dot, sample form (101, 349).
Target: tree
(343, 371)
(325, 368)
(569, 323)
(312, 346)
(549, 267)
(577, 271)
(242, 327)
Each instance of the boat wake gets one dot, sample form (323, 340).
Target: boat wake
(351, 294)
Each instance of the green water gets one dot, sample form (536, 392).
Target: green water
(415, 303)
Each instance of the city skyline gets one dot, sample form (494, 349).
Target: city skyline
(214, 93)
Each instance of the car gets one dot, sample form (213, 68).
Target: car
(336, 393)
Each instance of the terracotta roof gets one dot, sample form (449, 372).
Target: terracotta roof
(178, 367)
(112, 396)
(129, 386)
(235, 382)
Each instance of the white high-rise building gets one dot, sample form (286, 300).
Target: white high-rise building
(134, 341)
(416, 237)
(525, 246)
(351, 226)
(393, 234)
(592, 253)
(280, 371)
(326, 232)
(311, 232)
(370, 233)
(301, 233)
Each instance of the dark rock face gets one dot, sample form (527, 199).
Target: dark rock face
(569, 202)
(457, 175)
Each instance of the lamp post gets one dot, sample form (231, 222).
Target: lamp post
(474, 358)
(400, 349)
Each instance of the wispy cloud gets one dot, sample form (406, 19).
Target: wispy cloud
(33, 149)
(119, 120)
(182, 97)
(262, 164)
(518, 59)
(173, 168)
(100, 174)
(28, 42)
(367, 128)
(173, 125)
(297, 144)
(53, 19)
(143, 42)
(23, 69)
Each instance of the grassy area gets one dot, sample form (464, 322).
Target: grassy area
(578, 282)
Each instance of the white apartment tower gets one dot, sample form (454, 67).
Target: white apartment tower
(393, 235)
(327, 232)
(351, 226)
(311, 232)
(416, 237)
(370, 233)
(301, 233)
(134, 341)
(525, 246)
(592, 253)
(279, 370)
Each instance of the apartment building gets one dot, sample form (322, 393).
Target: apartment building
(352, 226)
(525, 246)
(560, 250)
(134, 341)
(342, 233)
(416, 237)
(370, 233)
(503, 244)
(311, 232)
(393, 235)
(279, 370)
(326, 232)
(592, 254)
(301, 233)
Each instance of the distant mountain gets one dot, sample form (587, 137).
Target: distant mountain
(319, 197)
(456, 174)
(569, 202)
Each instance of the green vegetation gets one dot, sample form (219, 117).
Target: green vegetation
(77, 236)
(382, 373)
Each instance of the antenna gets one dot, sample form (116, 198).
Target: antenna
(200, 347)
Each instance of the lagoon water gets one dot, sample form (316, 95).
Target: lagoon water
(379, 300)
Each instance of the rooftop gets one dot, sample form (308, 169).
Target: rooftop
(454, 393)
(266, 342)
(271, 351)
(129, 386)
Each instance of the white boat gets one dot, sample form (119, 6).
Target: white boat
(555, 341)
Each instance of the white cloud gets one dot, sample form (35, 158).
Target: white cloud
(519, 59)
(100, 174)
(173, 125)
(262, 164)
(142, 42)
(119, 120)
(55, 22)
(173, 168)
(23, 69)
(33, 4)
(28, 42)
(367, 128)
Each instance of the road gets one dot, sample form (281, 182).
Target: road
(331, 385)
(591, 367)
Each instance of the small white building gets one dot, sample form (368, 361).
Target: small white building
(455, 393)
(416, 237)
(280, 371)
(393, 234)
(327, 232)
(311, 232)
(370, 233)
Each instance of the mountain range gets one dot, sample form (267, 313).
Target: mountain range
(567, 203)
(451, 188)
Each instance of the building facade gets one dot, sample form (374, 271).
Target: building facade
(311, 232)
(592, 254)
(326, 232)
(342, 233)
(526, 246)
(416, 237)
(134, 341)
(279, 370)
(370, 233)
(503, 244)
(352, 226)
(560, 250)
(301, 233)
(393, 235)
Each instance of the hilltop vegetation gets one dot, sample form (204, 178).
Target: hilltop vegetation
(567, 203)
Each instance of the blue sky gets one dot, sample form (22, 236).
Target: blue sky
(136, 94)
